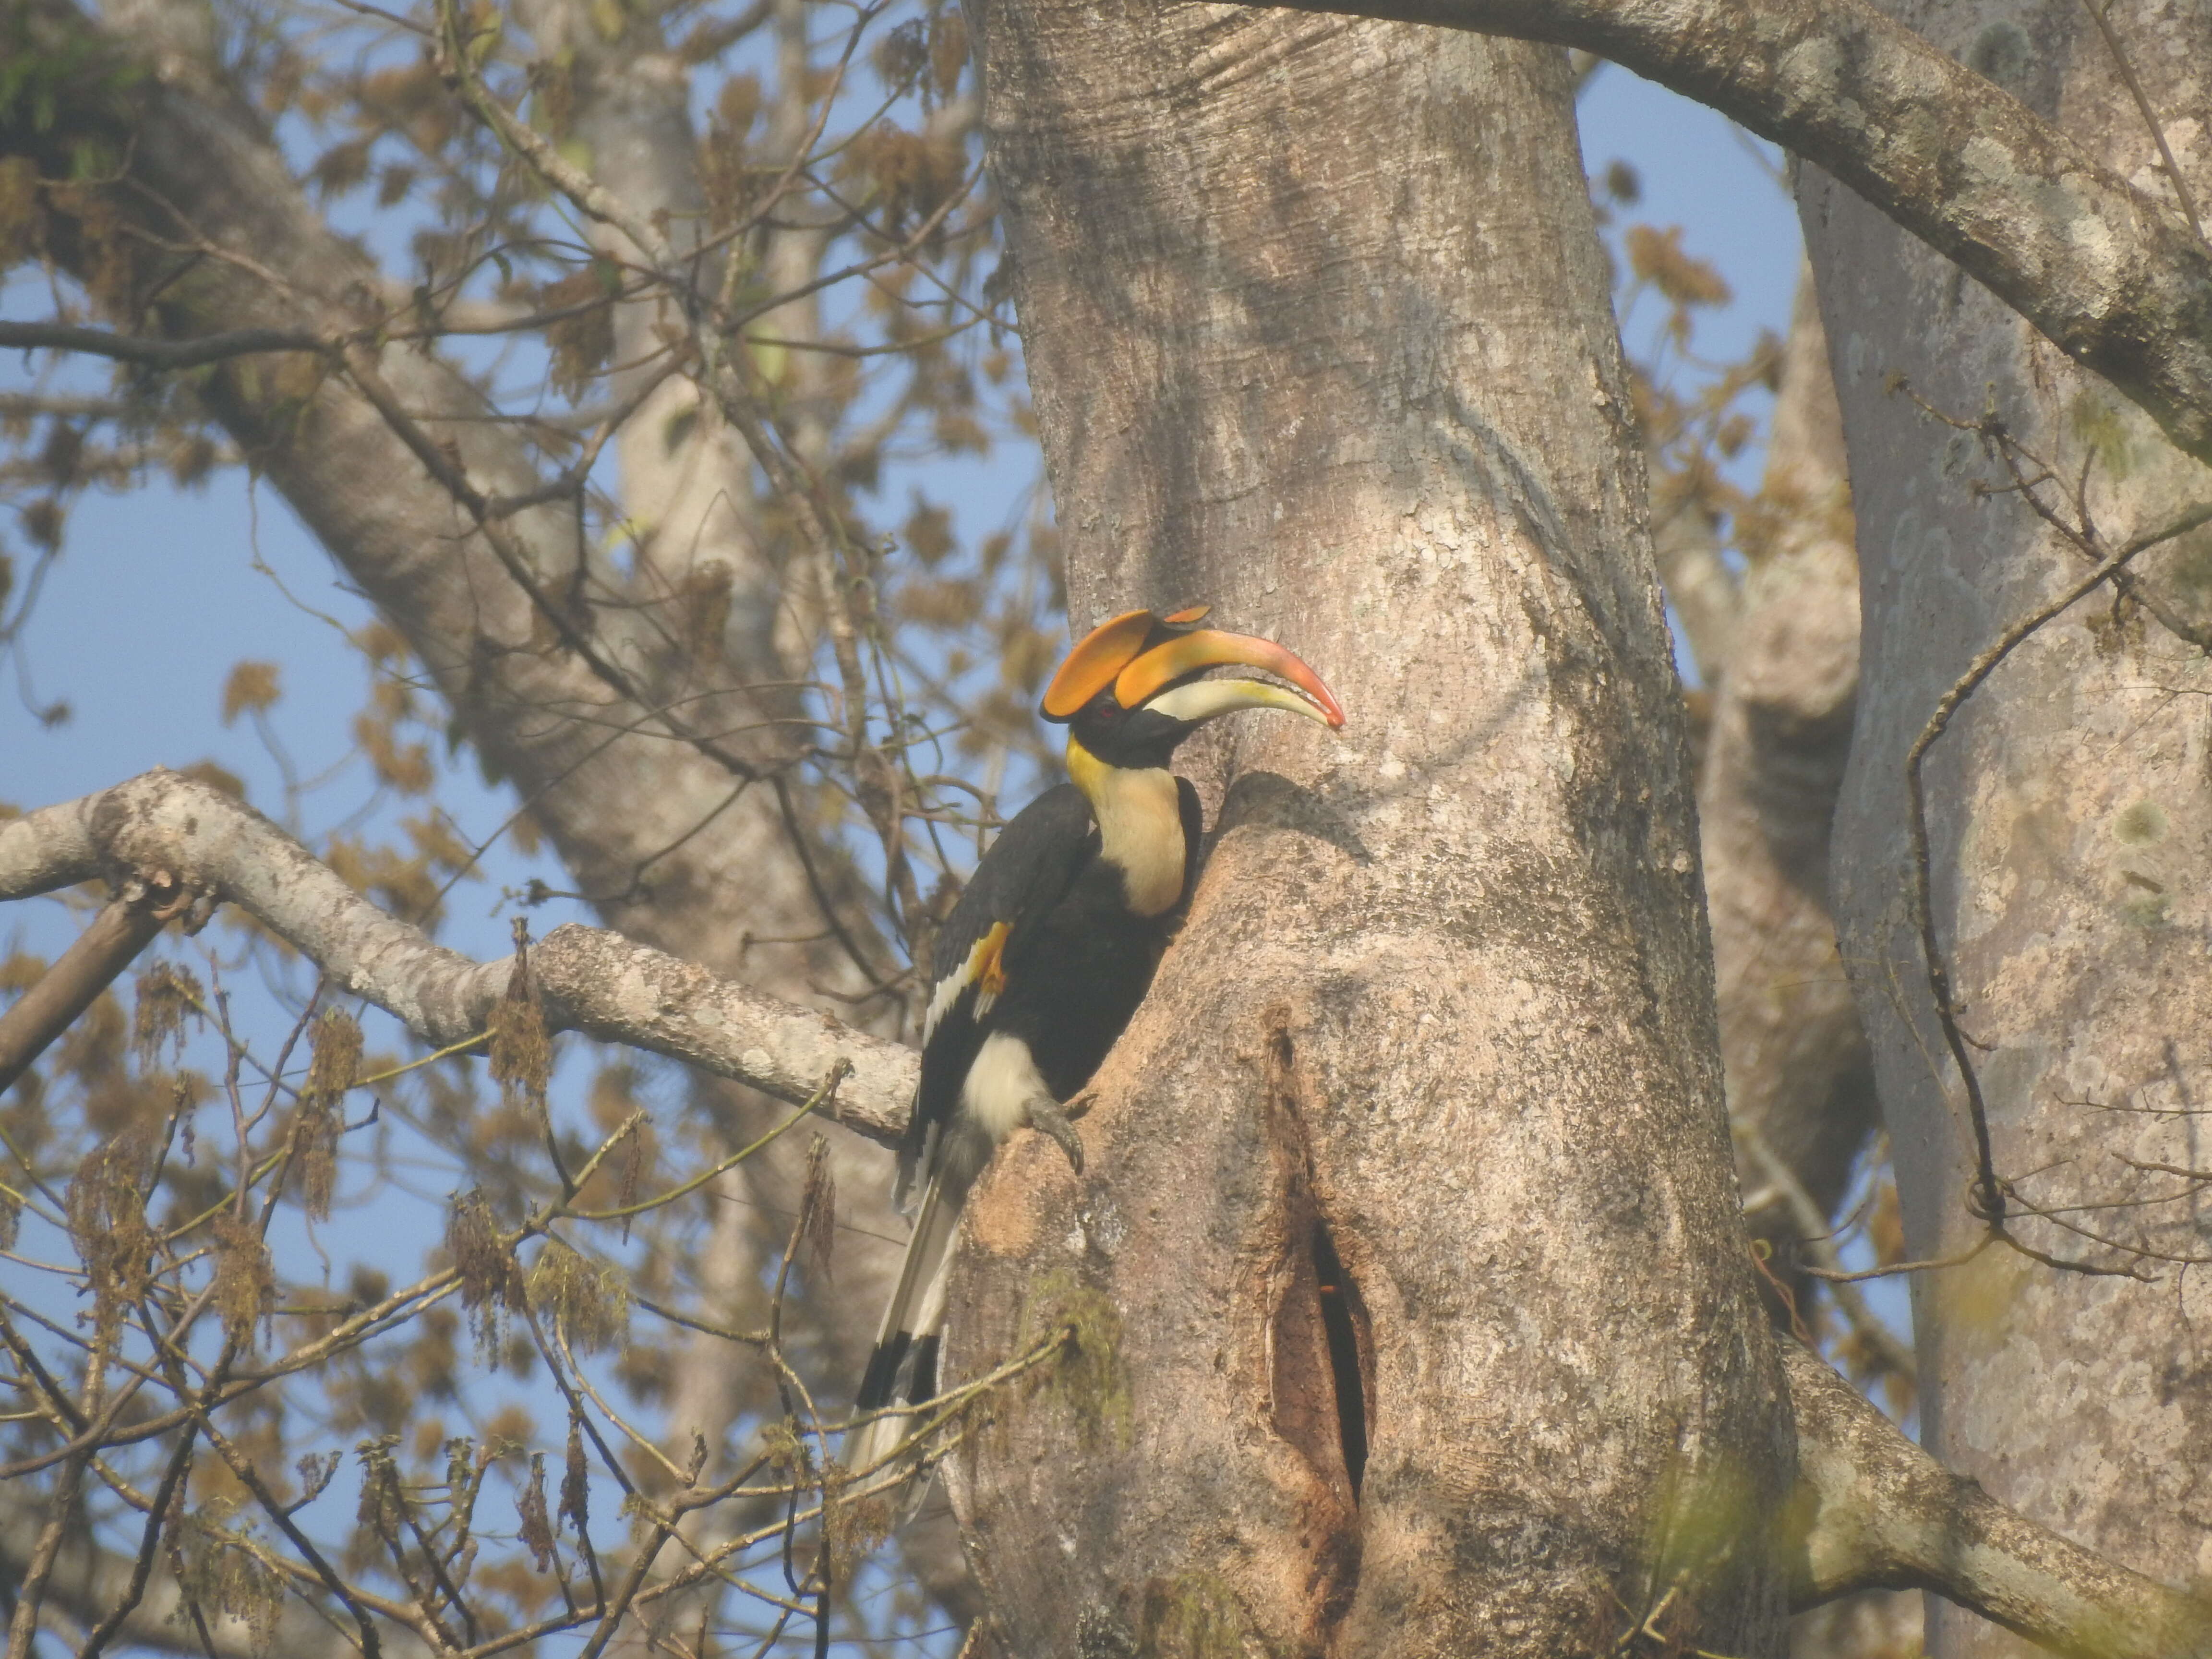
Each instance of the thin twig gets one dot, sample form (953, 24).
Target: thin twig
(1989, 1195)
(2103, 16)
(157, 354)
(1811, 1225)
(157, 1512)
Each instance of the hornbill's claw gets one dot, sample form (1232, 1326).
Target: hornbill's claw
(1047, 1119)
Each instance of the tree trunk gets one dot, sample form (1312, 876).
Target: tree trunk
(1413, 1307)
(1800, 1082)
(2068, 814)
(1800, 1078)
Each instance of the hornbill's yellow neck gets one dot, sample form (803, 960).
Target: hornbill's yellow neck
(1140, 826)
(1041, 962)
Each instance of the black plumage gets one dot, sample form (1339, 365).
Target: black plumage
(1074, 962)
(1052, 945)
(1063, 978)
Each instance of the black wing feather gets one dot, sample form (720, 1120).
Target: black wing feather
(1027, 871)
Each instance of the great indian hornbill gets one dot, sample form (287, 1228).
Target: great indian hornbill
(1052, 945)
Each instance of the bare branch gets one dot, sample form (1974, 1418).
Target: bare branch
(89, 1582)
(1990, 1191)
(1878, 1512)
(593, 981)
(122, 929)
(154, 353)
(134, 1591)
(61, 1506)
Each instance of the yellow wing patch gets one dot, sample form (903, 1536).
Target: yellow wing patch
(985, 968)
(986, 965)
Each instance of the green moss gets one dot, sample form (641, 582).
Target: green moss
(1086, 1378)
(2140, 824)
(2188, 563)
(1708, 1522)
(2144, 903)
(1195, 1616)
(2099, 424)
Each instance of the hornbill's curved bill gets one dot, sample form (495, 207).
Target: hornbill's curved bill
(1052, 944)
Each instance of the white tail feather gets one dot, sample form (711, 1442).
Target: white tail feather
(915, 1313)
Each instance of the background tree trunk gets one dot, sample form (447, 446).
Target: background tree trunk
(1800, 1083)
(1413, 1308)
(1800, 1078)
(688, 480)
(666, 844)
(2069, 815)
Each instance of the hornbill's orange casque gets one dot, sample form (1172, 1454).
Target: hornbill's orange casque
(1052, 945)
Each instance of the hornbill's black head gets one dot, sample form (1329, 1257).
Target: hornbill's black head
(1131, 691)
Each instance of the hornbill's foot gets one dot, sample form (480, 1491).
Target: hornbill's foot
(1047, 1119)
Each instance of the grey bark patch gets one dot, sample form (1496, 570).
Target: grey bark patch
(2002, 52)
(1100, 1635)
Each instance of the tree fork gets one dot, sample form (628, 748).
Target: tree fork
(1873, 1511)
(2010, 197)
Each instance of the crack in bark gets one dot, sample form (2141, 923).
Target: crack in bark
(1322, 1369)
(1344, 1318)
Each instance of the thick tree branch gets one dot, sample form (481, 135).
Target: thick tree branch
(125, 927)
(594, 982)
(1877, 1512)
(2111, 275)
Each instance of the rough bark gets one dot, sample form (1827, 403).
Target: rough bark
(1799, 1080)
(1870, 1625)
(2069, 816)
(2092, 253)
(1442, 1011)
